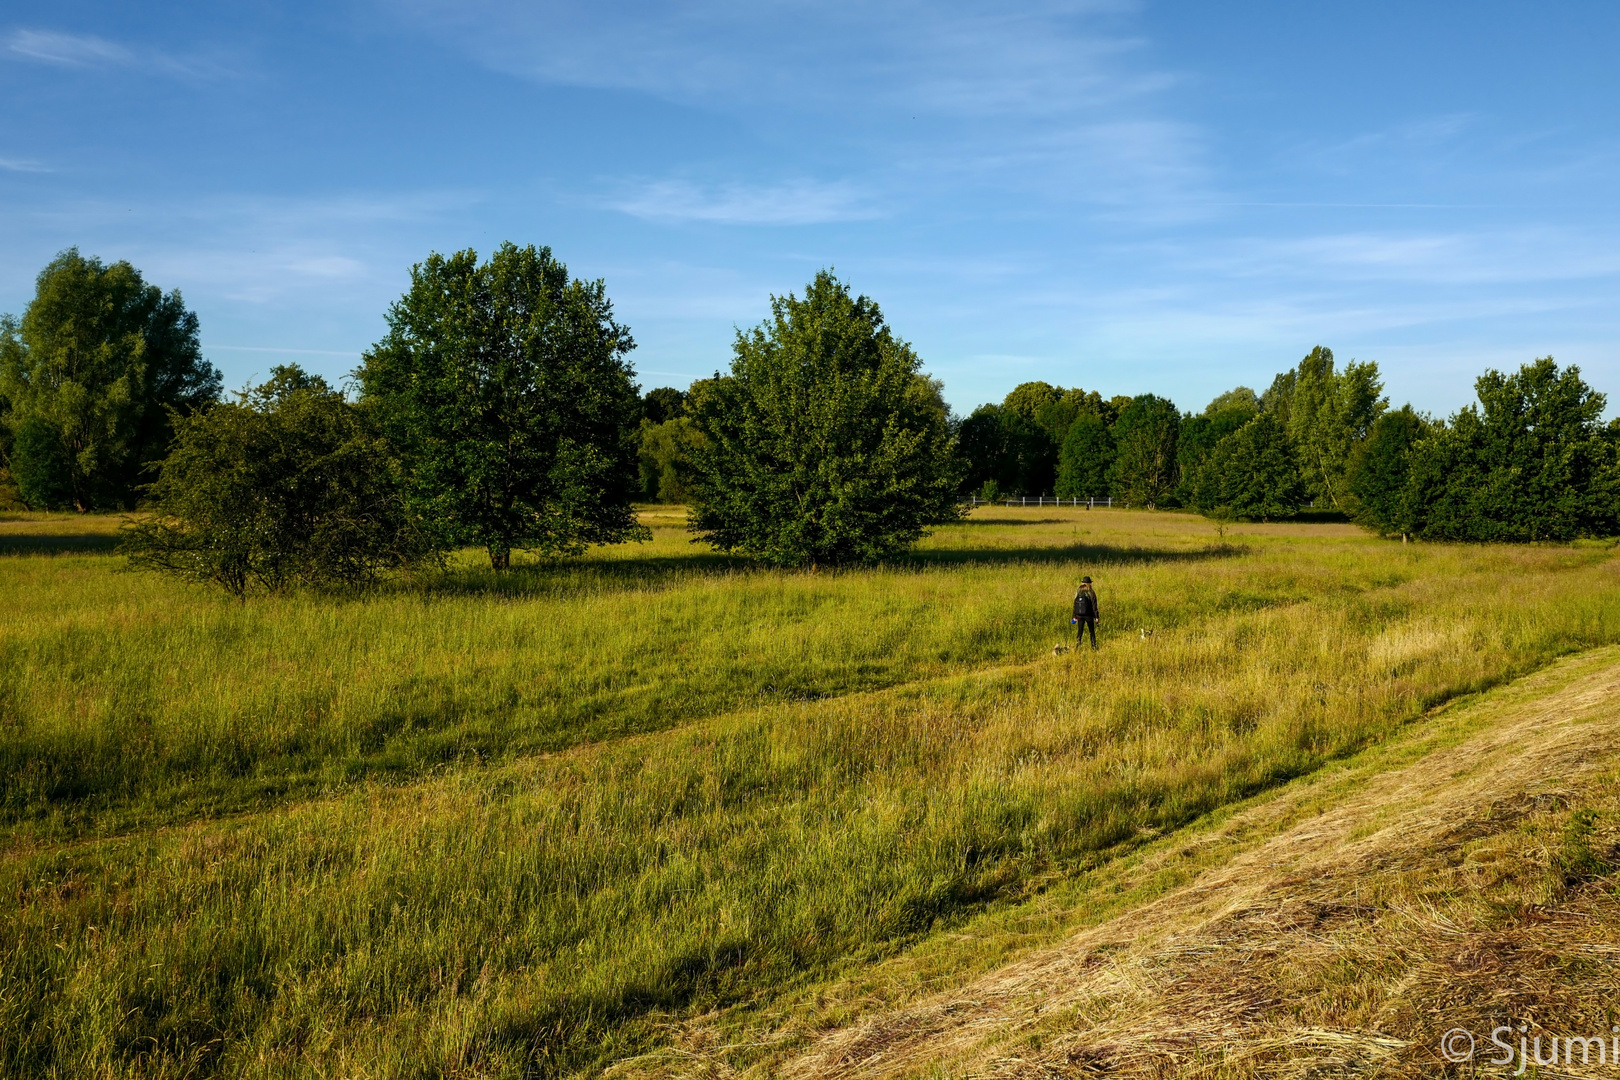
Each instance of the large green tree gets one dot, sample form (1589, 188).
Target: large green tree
(287, 485)
(1330, 414)
(825, 444)
(1251, 473)
(90, 377)
(1380, 467)
(1086, 458)
(506, 389)
(984, 446)
(1199, 435)
(1532, 461)
(1145, 467)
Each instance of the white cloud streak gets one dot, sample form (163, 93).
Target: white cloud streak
(89, 52)
(70, 50)
(799, 202)
(1054, 98)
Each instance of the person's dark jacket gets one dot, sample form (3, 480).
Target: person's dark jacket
(1085, 605)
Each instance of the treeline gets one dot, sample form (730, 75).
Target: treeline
(1531, 460)
(500, 410)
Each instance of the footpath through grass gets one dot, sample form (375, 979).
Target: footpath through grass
(754, 779)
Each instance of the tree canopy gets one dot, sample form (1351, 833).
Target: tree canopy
(505, 388)
(1018, 443)
(666, 458)
(284, 486)
(663, 403)
(90, 377)
(824, 444)
(1329, 415)
(1532, 461)
(1086, 458)
(1145, 469)
(1250, 473)
(1199, 435)
(1380, 468)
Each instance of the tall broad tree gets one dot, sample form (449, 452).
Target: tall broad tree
(1329, 416)
(1380, 467)
(1533, 461)
(90, 377)
(1251, 473)
(1200, 434)
(1145, 469)
(1086, 458)
(506, 389)
(825, 444)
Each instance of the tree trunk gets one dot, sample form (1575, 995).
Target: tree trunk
(500, 557)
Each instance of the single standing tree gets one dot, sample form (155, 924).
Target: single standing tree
(284, 486)
(506, 389)
(825, 444)
(93, 373)
(1145, 436)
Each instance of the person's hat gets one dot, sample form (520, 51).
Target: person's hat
(1085, 581)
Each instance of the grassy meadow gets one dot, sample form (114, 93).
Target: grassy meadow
(469, 826)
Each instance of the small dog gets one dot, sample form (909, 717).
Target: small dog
(1059, 650)
(1146, 634)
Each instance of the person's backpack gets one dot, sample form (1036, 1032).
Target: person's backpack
(1084, 608)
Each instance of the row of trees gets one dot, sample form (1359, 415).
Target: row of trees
(500, 410)
(1532, 460)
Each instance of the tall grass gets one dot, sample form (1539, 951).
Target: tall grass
(539, 914)
(127, 698)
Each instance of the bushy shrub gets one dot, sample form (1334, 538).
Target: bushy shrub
(284, 486)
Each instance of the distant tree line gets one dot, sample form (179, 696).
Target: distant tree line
(1531, 461)
(500, 411)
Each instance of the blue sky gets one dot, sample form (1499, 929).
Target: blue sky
(1176, 197)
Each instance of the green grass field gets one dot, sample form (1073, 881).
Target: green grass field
(481, 827)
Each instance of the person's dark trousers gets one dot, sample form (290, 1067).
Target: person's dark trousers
(1080, 632)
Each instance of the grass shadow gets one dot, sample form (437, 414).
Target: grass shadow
(48, 544)
(1006, 521)
(1091, 554)
(582, 575)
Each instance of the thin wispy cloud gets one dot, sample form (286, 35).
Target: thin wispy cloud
(70, 50)
(22, 165)
(1069, 87)
(944, 56)
(1461, 258)
(90, 52)
(800, 202)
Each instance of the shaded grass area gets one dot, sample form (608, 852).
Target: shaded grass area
(548, 915)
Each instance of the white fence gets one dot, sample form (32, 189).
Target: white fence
(1041, 500)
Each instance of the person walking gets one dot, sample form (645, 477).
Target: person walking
(1086, 612)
